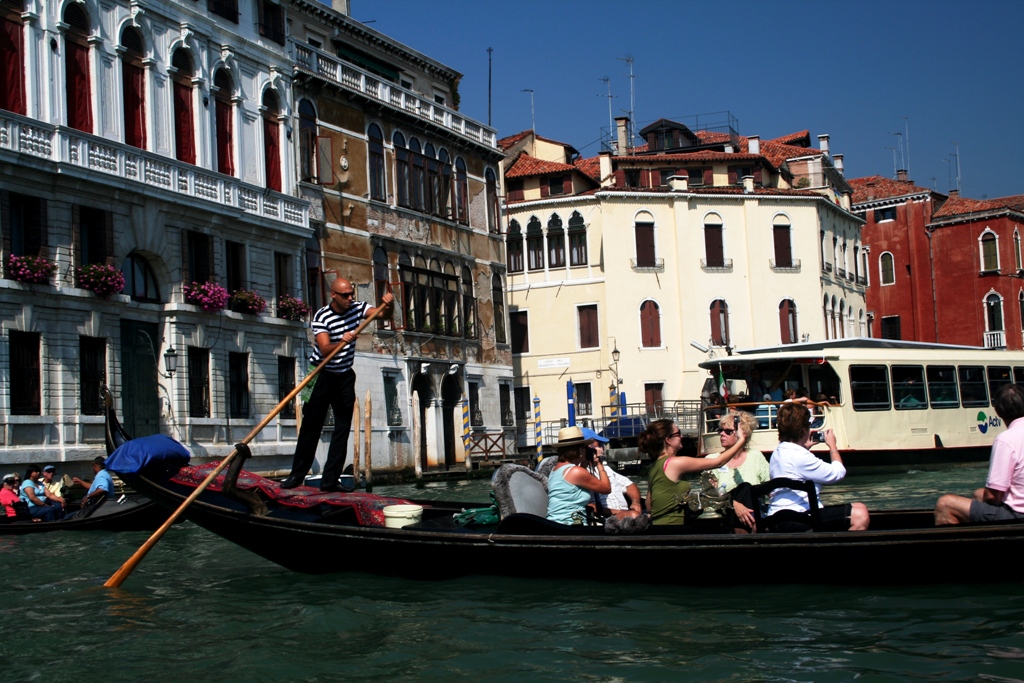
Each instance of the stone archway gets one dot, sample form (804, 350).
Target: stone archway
(451, 412)
(424, 389)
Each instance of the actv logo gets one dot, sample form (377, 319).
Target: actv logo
(984, 422)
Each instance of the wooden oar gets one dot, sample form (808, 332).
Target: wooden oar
(128, 567)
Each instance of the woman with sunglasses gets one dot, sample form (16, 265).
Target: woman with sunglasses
(666, 483)
(744, 467)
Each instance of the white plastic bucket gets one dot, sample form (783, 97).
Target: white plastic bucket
(398, 516)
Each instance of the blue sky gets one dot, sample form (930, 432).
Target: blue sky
(852, 70)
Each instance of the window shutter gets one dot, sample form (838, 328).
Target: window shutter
(709, 176)
(645, 254)
(716, 332)
(733, 176)
(655, 178)
(620, 178)
(545, 190)
(184, 134)
(12, 72)
(324, 156)
(225, 144)
(784, 322)
(714, 252)
(272, 150)
(650, 325)
(757, 176)
(783, 248)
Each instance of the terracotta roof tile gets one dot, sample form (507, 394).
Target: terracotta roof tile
(526, 165)
(880, 187)
(590, 167)
(505, 143)
(731, 189)
(801, 136)
(702, 155)
(958, 206)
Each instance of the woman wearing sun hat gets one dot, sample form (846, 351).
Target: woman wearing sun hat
(570, 486)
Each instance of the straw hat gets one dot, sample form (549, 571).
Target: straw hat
(571, 436)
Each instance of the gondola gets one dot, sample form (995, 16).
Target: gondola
(128, 512)
(316, 533)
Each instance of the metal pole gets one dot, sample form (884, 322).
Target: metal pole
(570, 392)
(490, 50)
(537, 429)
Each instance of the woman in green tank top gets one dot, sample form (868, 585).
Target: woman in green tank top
(666, 484)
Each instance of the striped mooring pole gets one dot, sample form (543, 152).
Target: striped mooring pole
(465, 424)
(538, 430)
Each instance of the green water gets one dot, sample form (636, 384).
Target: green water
(199, 608)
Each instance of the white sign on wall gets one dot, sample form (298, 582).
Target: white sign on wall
(553, 363)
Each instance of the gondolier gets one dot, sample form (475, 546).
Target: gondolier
(335, 386)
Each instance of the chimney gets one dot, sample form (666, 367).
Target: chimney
(954, 193)
(748, 184)
(870, 189)
(754, 144)
(823, 144)
(838, 161)
(679, 183)
(901, 175)
(341, 6)
(845, 201)
(622, 134)
(604, 160)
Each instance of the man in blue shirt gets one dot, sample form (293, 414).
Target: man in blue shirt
(102, 483)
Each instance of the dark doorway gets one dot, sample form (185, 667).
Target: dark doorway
(421, 386)
(451, 395)
(140, 402)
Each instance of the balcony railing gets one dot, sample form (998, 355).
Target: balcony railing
(790, 266)
(995, 340)
(827, 267)
(862, 280)
(723, 266)
(648, 266)
(326, 65)
(841, 272)
(68, 146)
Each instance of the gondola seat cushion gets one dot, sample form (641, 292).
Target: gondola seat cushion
(519, 489)
(546, 465)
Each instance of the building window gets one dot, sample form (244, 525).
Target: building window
(556, 186)
(184, 121)
(133, 78)
(139, 280)
(508, 418)
(224, 8)
(787, 322)
(650, 325)
(76, 69)
(401, 170)
(25, 396)
(584, 398)
(452, 317)
(461, 191)
(587, 316)
(285, 384)
(714, 250)
(93, 235)
(476, 416)
(644, 239)
(989, 252)
(25, 218)
(307, 141)
(719, 323)
(12, 59)
(224, 130)
(654, 398)
(891, 327)
(419, 178)
(433, 181)
(493, 209)
(1016, 250)
(469, 305)
(380, 284)
(234, 261)
(577, 240)
(284, 277)
(523, 404)
(556, 242)
(886, 269)
(198, 382)
(271, 141)
(520, 321)
(391, 402)
(514, 247)
(198, 261)
(782, 239)
(498, 302)
(270, 15)
(514, 190)
(994, 313)
(534, 245)
(444, 170)
(238, 385)
(92, 358)
(887, 214)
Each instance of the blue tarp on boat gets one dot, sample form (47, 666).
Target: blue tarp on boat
(134, 455)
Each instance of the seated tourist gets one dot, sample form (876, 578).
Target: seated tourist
(744, 467)
(1002, 497)
(624, 499)
(102, 483)
(34, 494)
(9, 495)
(53, 487)
(666, 483)
(570, 485)
(793, 460)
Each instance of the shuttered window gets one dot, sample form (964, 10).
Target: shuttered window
(133, 78)
(577, 240)
(556, 242)
(12, 63)
(787, 322)
(534, 245)
(224, 125)
(514, 247)
(719, 323)
(713, 249)
(76, 69)
(645, 253)
(650, 324)
(588, 326)
(184, 128)
(783, 245)
(271, 141)
(25, 395)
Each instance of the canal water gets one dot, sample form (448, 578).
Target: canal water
(200, 608)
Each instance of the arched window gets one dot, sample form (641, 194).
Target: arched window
(650, 325)
(375, 144)
(1020, 308)
(514, 247)
(825, 315)
(835, 332)
(453, 320)
(461, 191)
(643, 236)
(271, 140)
(989, 251)
(1016, 250)
(419, 177)
(380, 283)
(224, 114)
(76, 68)
(139, 281)
(133, 79)
(856, 263)
(719, 323)
(841, 320)
(787, 322)
(577, 240)
(498, 301)
(184, 120)
(12, 58)
(468, 304)
(307, 141)
(886, 269)
(409, 310)
(714, 247)
(556, 242)
(534, 245)
(493, 210)
(444, 169)
(782, 239)
(433, 181)
(994, 313)
(402, 177)
(862, 330)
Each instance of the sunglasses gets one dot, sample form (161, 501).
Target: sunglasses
(727, 432)
(673, 435)
(344, 295)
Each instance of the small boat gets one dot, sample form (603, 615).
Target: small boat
(320, 533)
(128, 512)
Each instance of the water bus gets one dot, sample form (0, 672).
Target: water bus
(890, 403)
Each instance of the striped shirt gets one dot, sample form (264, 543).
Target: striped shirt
(336, 325)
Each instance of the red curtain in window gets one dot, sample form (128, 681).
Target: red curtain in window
(12, 81)
(134, 105)
(272, 148)
(650, 325)
(225, 162)
(79, 100)
(184, 134)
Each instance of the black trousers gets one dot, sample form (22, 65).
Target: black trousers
(338, 391)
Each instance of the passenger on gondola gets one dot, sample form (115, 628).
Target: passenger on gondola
(666, 483)
(746, 467)
(101, 485)
(54, 488)
(34, 494)
(624, 499)
(571, 485)
(793, 460)
(9, 495)
(1002, 497)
